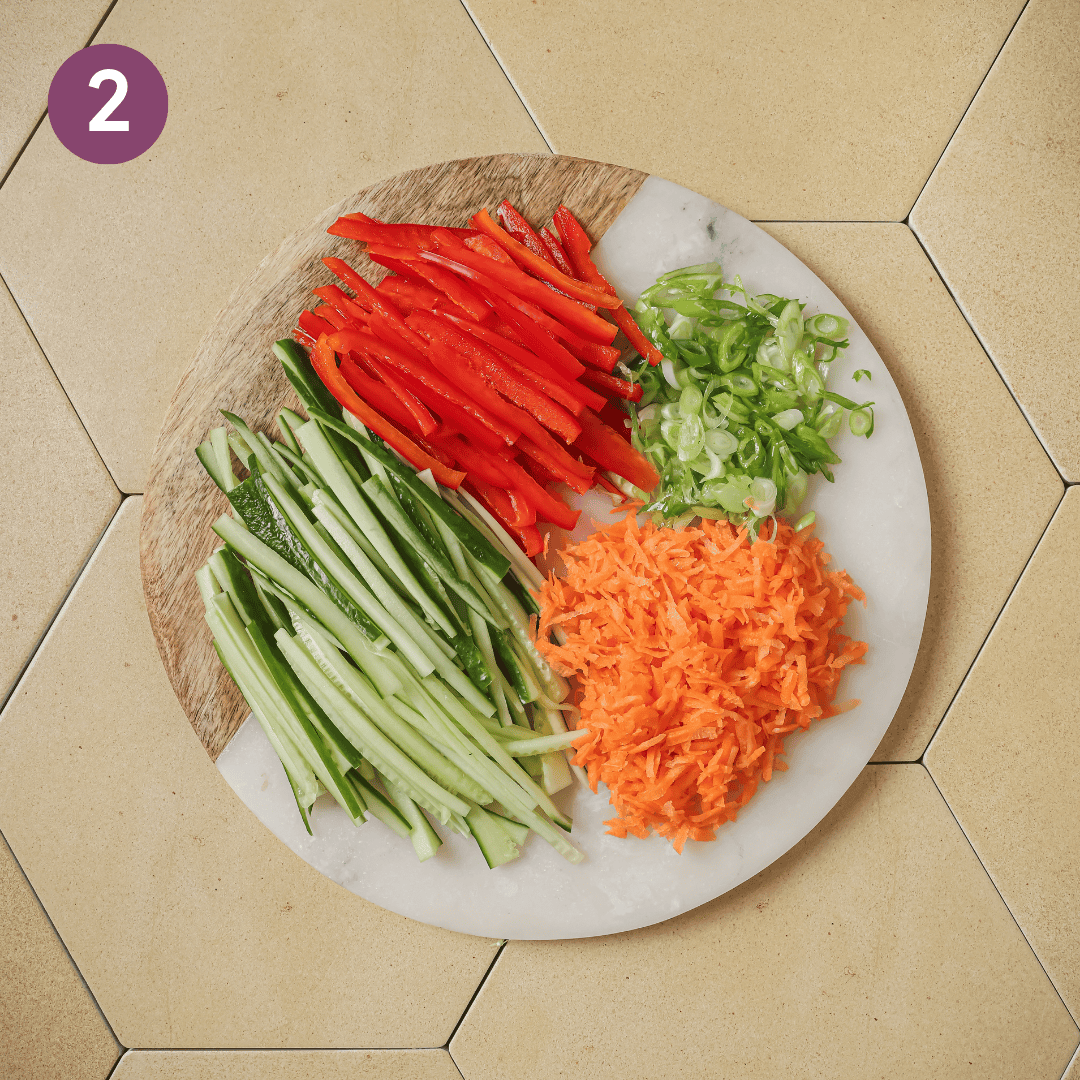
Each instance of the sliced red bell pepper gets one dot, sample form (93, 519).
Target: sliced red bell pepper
(601, 357)
(496, 419)
(547, 506)
(303, 337)
(612, 385)
(566, 468)
(494, 370)
(539, 266)
(530, 368)
(539, 340)
(322, 359)
(377, 395)
(331, 316)
(578, 247)
(450, 285)
(505, 330)
(453, 255)
(555, 251)
(527, 538)
(478, 464)
(312, 325)
(453, 417)
(421, 417)
(484, 245)
(616, 419)
(521, 230)
(352, 312)
(500, 499)
(610, 451)
(373, 231)
(396, 331)
(407, 295)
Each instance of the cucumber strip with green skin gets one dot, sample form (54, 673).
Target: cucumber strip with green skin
(286, 430)
(419, 656)
(518, 833)
(508, 662)
(487, 742)
(293, 420)
(233, 578)
(521, 594)
(477, 516)
(551, 719)
(555, 766)
(415, 512)
(219, 440)
(541, 744)
(305, 469)
(367, 738)
(255, 552)
(378, 805)
(345, 755)
(473, 659)
(267, 462)
(369, 574)
(355, 505)
(478, 545)
(292, 760)
(208, 587)
(283, 470)
(225, 622)
(266, 524)
(494, 842)
(325, 498)
(403, 735)
(298, 370)
(292, 605)
(425, 840)
(377, 492)
(320, 644)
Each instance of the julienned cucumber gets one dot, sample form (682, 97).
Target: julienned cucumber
(377, 626)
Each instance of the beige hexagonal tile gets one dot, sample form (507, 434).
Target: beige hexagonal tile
(827, 110)
(999, 217)
(991, 486)
(277, 111)
(1007, 757)
(191, 923)
(56, 494)
(287, 1065)
(49, 1024)
(39, 35)
(877, 947)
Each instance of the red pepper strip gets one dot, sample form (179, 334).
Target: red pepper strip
(484, 245)
(350, 311)
(421, 417)
(557, 461)
(477, 405)
(602, 357)
(530, 368)
(407, 296)
(405, 229)
(397, 331)
(313, 326)
(479, 465)
(539, 340)
(303, 337)
(447, 283)
(607, 485)
(487, 272)
(521, 230)
(377, 303)
(612, 385)
(322, 359)
(505, 330)
(344, 272)
(539, 266)
(577, 249)
(547, 506)
(527, 538)
(372, 232)
(610, 451)
(494, 370)
(454, 418)
(328, 314)
(554, 249)
(377, 395)
(525, 514)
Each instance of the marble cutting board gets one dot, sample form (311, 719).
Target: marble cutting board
(874, 521)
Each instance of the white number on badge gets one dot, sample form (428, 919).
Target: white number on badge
(101, 121)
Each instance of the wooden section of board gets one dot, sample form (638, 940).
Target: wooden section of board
(234, 369)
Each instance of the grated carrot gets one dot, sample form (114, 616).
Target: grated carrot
(697, 651)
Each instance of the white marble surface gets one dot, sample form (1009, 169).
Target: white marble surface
(874, 520)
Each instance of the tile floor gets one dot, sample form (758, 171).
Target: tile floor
(923, 162)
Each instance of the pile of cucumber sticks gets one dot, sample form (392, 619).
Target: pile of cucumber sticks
(378, 627)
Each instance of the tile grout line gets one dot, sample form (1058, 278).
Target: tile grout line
(990, 878)
(67, 952)
(63, 390)
(985, 348)
(967, 109)
(6, 698)
(465, 1013)
(41, 119)
(506, 75)
(993, 626)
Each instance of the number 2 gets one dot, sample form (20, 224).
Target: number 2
(100, 120)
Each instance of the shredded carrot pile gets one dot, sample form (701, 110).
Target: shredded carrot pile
(697, 651)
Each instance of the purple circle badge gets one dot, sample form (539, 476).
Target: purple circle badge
(108, 104)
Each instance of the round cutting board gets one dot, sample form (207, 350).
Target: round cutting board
(874, 521)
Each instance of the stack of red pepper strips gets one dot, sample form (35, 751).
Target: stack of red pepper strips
(483, 357)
